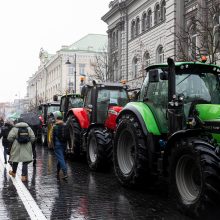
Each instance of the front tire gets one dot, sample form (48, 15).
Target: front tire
(99, 149)
(130, 155)
(195, 181)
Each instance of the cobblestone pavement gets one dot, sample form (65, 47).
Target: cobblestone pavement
(85, 195)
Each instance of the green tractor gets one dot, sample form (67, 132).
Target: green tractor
(173, 130)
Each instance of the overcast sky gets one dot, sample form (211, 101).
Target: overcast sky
(28, 25)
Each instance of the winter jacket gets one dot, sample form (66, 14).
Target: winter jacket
(56, 130)
(5, 129)
(20, 152)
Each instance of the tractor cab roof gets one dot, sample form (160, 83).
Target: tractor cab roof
(183, 66)
(50, 103)
(74, 95)
(106, 85)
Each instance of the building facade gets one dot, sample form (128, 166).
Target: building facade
(144, 32)
(65, 71)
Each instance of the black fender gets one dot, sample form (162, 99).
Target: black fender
(132, 110)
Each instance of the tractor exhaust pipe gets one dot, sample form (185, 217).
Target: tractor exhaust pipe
(171, 79)
(175, 104)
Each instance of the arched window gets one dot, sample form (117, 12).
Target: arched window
(157, 14)
(163, 10)
(146, 59)
(149, 19)
(216, 32)
(116, 39)
(144, 21)
(132, 29)
(160, 54)
(135, 67)
(113, 40)
(137, 26)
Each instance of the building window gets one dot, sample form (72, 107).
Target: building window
(144, 21)
(137, 26)
(116, 39)
(82, 69)
(216, 33)
(163, 10)
(71, 68)
(149, 19)
(146, 59)
(160, 54)
(135, 67)
(157, 14)
(132, 29)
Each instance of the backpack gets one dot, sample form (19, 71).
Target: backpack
(23, 135)
(63, 133)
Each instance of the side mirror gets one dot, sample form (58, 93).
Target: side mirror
(90, 106)
(153, 75)
(164, 75)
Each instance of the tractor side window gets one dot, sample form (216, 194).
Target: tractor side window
(156, 96)
(103, 103)
(88, 98)
(62, 104)
(75, 102)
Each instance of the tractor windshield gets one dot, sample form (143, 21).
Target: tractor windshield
(53, 108)
(203, 86)
(75, 102)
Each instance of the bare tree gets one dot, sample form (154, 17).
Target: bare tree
(101, 66)
(201, 36)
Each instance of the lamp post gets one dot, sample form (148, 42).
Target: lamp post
(68, 62)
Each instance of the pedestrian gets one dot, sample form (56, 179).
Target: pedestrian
(22, 137)
(60, 145)
(5, 129)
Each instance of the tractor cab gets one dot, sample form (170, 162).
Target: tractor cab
(195, 83)
(70, 101)
(104, 99)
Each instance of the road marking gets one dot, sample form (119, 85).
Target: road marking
(31, 206)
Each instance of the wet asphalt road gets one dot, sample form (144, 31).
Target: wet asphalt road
(85, 195)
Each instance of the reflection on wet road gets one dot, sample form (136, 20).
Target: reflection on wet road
(85, 195)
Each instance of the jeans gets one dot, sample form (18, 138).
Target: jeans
(5, 153)
(24, 171)
(59, 153)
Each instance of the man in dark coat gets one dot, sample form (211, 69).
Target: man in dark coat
(5, 129)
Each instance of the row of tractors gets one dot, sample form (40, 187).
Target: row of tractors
(172, 130)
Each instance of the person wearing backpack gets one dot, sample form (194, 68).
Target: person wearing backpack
(5, 129)
(22, 137)
(60, 144)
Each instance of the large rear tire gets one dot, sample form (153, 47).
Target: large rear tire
(130, 155)
(195, 178)
(74, 144)
(99, 149)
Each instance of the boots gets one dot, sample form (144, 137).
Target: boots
(12, 173)
(23, 178)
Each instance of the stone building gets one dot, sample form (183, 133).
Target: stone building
(56, 73)
(144, 32)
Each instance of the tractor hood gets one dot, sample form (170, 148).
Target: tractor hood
(210, 115)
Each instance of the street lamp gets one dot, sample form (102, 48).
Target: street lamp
(68, 62)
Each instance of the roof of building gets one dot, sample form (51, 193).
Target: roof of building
(91, 42)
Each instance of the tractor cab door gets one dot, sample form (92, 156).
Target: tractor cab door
(64, 106)
(90, 103)
(155, 95)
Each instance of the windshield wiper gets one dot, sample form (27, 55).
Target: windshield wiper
(184, 79)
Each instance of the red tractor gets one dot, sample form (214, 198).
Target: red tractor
(92, 126)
